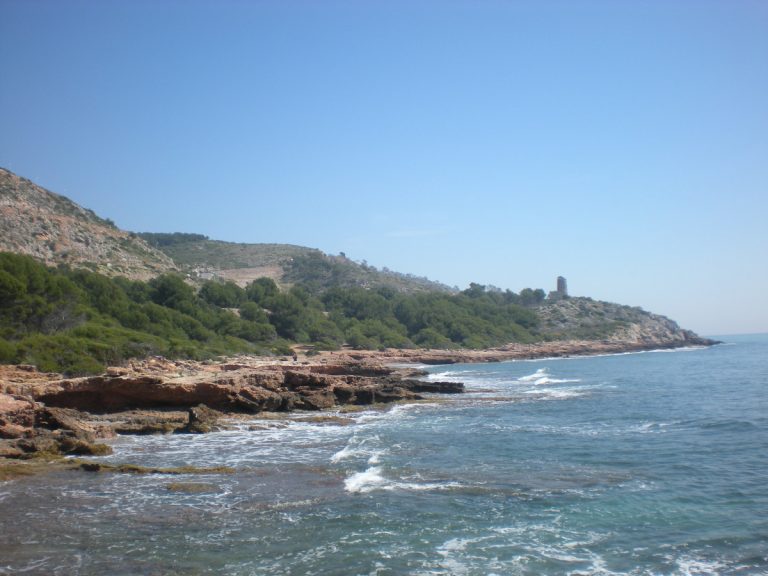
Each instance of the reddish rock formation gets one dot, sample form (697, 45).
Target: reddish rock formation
(241, 389)
(48, 413)
(17, 416)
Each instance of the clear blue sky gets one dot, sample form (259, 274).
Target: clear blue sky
(622, 144)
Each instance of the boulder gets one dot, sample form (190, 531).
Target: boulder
(10, 449)
(162, 421)
(309, 399)
(42, 443)
(77, 447)
(432, 387)
(201, 420)
(79, 424)
(254, 399)
(306, 380)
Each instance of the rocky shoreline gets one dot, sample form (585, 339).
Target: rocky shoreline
(515, 351)
(44, 415)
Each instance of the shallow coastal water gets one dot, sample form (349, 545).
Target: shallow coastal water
(651, 463)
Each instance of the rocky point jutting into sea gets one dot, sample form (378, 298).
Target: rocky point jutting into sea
(48, 414)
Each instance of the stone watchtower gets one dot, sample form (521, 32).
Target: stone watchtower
(562, 287)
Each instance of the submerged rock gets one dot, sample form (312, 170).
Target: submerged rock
(191, 487)
(82, 448)
(432, 387)
(134, 469)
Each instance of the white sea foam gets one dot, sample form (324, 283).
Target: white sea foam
(541, 378)
(345, 454)
(33, 565)
(689, 566)
(375, 458)
(360, 448)
(443, 375)
(372, 479)
(363, 482)
(557, 393)
(608, 354)
(540, 373)
(650, 427)
(546, 380)
(283, 441)
(453, 545)
(454, 551)
(529, 545)
(396, 412)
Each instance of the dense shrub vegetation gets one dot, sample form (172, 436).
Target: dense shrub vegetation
(318, 272)
(78, 321)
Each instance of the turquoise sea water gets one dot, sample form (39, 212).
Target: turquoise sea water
(651, 463)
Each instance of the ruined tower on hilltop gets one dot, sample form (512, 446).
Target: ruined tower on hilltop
(562, 287)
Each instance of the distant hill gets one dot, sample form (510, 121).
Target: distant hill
(55, 230)
(287, 264)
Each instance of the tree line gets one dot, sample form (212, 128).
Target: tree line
(77, 321)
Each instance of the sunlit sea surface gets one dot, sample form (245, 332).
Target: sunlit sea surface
(650, 463)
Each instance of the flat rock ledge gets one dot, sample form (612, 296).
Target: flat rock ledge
(47, 414)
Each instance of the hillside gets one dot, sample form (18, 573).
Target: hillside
(203, 258)
(55, 230)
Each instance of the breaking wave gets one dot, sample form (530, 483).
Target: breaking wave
(373, 479)
(541, 377)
